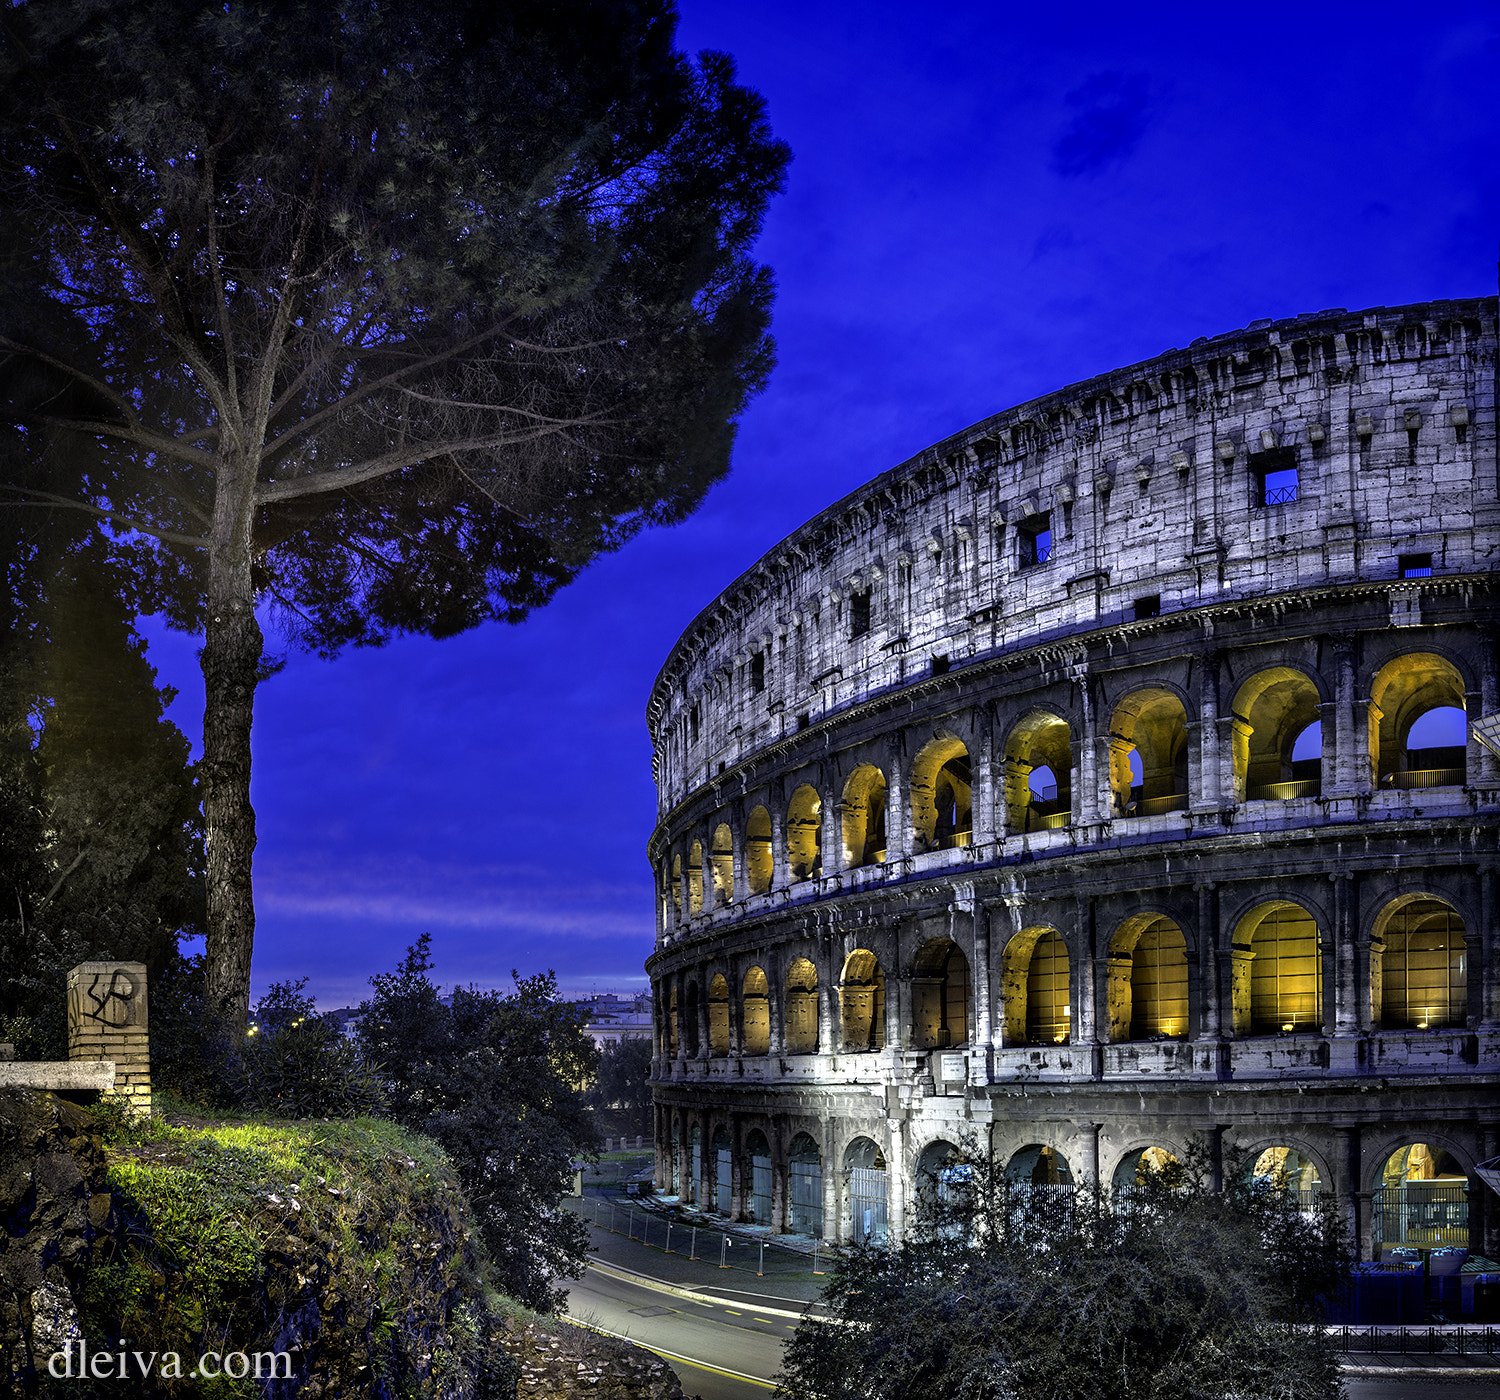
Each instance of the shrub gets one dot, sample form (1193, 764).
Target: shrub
(297, 1064)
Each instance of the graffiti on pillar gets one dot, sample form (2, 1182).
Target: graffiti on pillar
(108, 996)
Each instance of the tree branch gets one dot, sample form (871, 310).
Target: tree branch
(47, 498)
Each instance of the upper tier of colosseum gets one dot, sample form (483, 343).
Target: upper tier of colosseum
(1290, 456)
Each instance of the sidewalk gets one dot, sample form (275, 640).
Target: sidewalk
(788, 1283)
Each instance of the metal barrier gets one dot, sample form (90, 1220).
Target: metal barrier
(1421, 1341)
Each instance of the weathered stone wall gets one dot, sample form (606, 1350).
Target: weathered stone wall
(1149, 475)
(558, 1361)
(872, 812)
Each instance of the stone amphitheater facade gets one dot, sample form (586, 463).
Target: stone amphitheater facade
(1102, 781)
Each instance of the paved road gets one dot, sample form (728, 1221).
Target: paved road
(1440, 1384)
(705, 1344)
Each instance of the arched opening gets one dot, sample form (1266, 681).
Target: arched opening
(690, 1022)
(755, 1013)
(1410, 750)
(695, 1164)
(1422, 1200)
(1137, 1168)
(944, 1187)
(804, 833)
(1284, 1168)
(867, 1183)
(758, 850)
(695, 878)
(672, 1025)
(1034, 988)
(1421, 971)
(1039, 774)
(758, 1153)
(1049, 1016)
(718, 1016)
(1283, 993)
(723, 1172)
(1038, 1165)
(801, 1008)
(1278, 744)
(942, 796)
(668, 902)
(1148, 980)
(864, 817)
(1152, 724)
(723, 866)
(677, 885)
(862, 1002)
(940, 996)
(804, 1187)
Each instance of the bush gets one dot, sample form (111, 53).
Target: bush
(297, 1064)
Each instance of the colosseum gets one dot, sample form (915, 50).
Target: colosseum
(1112, 777)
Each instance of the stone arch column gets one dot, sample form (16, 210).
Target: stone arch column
(831, 853)
(982, 804)
(780, 864)
(898, 841)
(1204, 995)
(1204, 785)
(701, 972)
(1088, 748)
(1350, 1012)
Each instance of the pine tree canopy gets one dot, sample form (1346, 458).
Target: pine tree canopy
(388, 316)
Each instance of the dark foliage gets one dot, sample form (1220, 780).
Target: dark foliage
(624, 1077)
(298, 1064)
(495, 1079)
(1013, 1292)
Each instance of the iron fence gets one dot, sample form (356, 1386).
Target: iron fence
(1423, 1341)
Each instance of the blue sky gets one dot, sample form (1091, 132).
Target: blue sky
(987, 202)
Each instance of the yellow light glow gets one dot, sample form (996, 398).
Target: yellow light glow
(1287, 1025)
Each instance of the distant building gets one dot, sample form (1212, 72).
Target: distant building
(615, 1018)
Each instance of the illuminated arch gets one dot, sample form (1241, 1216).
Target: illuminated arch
(862, 1002)
(758, 858)
(940, 995)
(1148, 980)
(755, 1013)
(1275, 708)
(1419, 966)
(863, 811)
(1152, 724)
(942, 795)
(804, 833)
(1039, 773)
(801, 1008)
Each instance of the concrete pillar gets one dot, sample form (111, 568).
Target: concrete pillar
(983, 813)
(831, 1182)
(1204, 795)
(736, 1170)
(1206, 1011)
(1088, 1154)
(685, 885)
(107, 1020)
(829, 1038)
(703, 1046)
(1343, 1018)
(780, 864)
(776, 1004)
(741, 861)
(1087, 808)
(831, 852)
(980, 977)
(1489, 958)
(736, 1012)
(897, 1168)
(898, 842)
(1081, 980)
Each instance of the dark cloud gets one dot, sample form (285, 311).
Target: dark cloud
(1113, 110)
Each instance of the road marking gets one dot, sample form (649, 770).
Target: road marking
(766, 1320)
(732, 1312)
(677, 1356)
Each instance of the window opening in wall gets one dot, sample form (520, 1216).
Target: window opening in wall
(758, 672)
(859, 615)
(1034, 535)
(1422, 1200)
(693, 725)
(940, 665)
(1423, 968)
(1148, 607)
(803, 720)
(1415, 565)
(1275, 476)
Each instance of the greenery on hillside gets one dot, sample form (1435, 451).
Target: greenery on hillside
(348, 1244)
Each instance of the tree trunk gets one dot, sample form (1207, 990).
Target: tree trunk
(231, 664)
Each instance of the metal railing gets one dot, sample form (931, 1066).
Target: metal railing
(1280, 495)
(1155, 806)
(1422, 1341)
(1428, 778)
(1285, 792)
